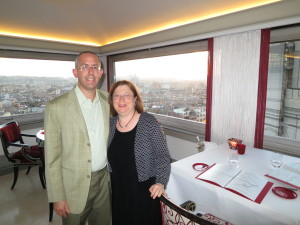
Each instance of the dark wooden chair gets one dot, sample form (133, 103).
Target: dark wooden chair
(51, 209)
(174, 214)
(27, 155)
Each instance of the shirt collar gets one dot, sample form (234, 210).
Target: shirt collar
(81, 97)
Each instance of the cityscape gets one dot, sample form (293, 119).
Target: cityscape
(23, 95)
(182, 99)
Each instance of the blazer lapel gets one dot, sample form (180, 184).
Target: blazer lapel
(74, 111)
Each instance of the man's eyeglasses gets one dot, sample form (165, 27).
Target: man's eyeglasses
(86, 67)
(126, 97)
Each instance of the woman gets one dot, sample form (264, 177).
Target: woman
(138, 156)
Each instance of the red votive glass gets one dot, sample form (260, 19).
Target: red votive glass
(241, 149)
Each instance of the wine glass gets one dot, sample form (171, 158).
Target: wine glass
(234, 160)
(276, 160)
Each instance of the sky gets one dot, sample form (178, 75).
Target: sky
(191, 66)
(39, 68)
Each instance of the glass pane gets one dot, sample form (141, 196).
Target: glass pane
(26, 85)
(172, 85)
(283, 93)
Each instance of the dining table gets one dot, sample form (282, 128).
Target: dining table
(209, 198)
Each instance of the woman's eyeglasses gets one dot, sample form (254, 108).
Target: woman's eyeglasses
(126, 97)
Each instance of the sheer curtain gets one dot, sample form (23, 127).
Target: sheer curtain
(235, 86)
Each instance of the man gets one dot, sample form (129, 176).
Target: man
(76, 132)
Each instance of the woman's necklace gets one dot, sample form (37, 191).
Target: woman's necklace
(126, 123)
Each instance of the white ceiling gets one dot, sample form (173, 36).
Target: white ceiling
(104, 21)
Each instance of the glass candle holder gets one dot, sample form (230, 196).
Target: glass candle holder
(233, 142)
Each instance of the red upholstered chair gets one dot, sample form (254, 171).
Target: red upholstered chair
(27, 155)
(174, 214)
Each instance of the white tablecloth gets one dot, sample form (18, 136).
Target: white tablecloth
(220, 202)
(40, 137)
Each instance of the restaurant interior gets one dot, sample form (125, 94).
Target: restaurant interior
(252, 103)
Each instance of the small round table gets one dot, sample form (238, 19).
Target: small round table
(40, 137)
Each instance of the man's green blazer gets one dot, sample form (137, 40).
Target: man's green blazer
(68, 151)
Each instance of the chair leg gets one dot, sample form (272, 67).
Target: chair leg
(42, 177)
(28, 170)
(50, 211)
(16, 173)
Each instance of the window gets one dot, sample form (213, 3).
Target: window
(172, 83)
(282, 121)
(283, 93)
(26, 85)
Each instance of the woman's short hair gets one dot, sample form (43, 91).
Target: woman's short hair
(138, 103)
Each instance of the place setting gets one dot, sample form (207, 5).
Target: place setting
(200, 166)
(288, 174)
(286, 193)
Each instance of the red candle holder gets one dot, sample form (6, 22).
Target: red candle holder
(233, 142)
(241, 149)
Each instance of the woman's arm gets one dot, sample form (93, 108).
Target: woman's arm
(162, 155)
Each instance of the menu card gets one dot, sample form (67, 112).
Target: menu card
(246, 184)
(288, 174)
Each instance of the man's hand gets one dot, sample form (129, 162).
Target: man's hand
(61, 208)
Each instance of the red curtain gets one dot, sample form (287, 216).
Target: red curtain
(209, 89)
(262, 88)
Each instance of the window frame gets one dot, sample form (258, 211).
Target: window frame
(173, 126)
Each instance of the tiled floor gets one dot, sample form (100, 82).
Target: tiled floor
(27, 203)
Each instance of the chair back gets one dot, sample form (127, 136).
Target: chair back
(10, 133)
(174, 214)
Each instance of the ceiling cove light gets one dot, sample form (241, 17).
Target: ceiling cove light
(197, 19)
(152, 29)
(48, 39)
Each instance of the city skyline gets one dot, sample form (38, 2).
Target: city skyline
(21, 95)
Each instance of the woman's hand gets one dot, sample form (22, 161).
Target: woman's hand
(156, 190)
